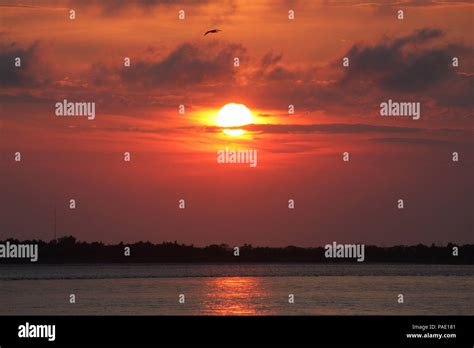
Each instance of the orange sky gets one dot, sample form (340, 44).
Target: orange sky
(282, 62)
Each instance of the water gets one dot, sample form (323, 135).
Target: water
(240, 289)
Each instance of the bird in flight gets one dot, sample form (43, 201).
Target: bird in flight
(213, 31)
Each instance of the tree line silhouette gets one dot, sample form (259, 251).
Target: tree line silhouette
(69, 250)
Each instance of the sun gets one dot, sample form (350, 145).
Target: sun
(234, 115)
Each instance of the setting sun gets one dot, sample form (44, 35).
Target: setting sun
(234, 115)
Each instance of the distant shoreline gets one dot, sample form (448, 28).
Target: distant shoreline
(224, 263)
(67, 250)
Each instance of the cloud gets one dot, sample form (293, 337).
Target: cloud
(25, 76)
(394, 65)
(418, 141)
(24, 98)
(186, 66)
(113, 7)
(389, 6)
(411, 67)
(270, 59)
(333, 128)
(414, 67)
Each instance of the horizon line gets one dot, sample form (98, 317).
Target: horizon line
(175, 242)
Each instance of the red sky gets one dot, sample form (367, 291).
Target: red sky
(282, 62)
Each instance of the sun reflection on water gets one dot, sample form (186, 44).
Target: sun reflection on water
(235, 296)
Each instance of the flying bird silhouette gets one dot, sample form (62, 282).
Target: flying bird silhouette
(213, 31)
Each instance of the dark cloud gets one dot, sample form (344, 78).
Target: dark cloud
(270, 59)
(24, 76)
(416, 66)
(268, 69)
(420, 71)
(394, 65)
(187, 66)
(272, 69)
(280, 73)
(419, 36)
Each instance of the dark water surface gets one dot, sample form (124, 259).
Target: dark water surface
(243, 289)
